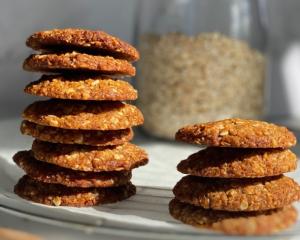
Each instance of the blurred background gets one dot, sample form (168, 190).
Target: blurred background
(191, 69)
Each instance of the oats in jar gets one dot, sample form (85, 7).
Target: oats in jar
(184, 79)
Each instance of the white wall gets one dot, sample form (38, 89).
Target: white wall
(18, 19)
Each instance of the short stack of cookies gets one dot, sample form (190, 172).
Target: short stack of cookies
(236, 185)
(81, 155)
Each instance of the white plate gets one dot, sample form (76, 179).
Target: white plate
(143, 216)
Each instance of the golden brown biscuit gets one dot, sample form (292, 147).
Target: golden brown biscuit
(237, 194)
(85, 115)
(238, 133)
(81, 39)
(90, 158)
(69, 136)
(82, 88)
(74, 61)
(50, 173)
(13, 234)
(235, 223)
(59, 195)
(238, 162)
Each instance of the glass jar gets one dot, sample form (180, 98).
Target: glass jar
(201, 60)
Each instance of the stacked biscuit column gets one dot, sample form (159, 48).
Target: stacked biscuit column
(236, 185)
(81, 155)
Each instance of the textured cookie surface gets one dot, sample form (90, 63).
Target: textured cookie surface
(90, 158)
(238, 162)
(81, 39)
(235, 223)
(238, 133)
(59, 195)
(82, 88)
(237, 194)
(50, 173)
(75, 61)
(85, 115)
(69, 136)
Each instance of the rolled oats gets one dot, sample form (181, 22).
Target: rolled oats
(183, 80)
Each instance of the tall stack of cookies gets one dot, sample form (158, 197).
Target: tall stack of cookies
(81, 155)
(236, 185)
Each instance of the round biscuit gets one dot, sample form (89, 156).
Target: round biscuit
(239, 133)
(75, 61)
(94, 41)
(84, 115)
(244, 194)
(90, 158)
(59, 195)
(239, 162)
(50, 173)
(69, 136)
(82, 88)
(235, 223)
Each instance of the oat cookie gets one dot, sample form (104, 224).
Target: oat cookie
(238, 162)
(238, 133)
(74, 61)
(85, 115)
(59, 195)
(13, 234)
(82, 88)
(80, 39)
(90, 158)
(50, 173)
(237, 194)
(235, 223)
(69, 136)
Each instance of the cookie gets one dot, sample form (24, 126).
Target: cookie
(238, 133)
(13, 234)
(50, 173)
(75, 61)
(82, 88)
(237, 194)
(97, 42)
(238, 162)
(59, 195)
(235, 223)
(69, 136)
(90, 158)
(85, 115)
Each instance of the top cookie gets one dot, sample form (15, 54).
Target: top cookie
(240, 133)
(85, 40)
